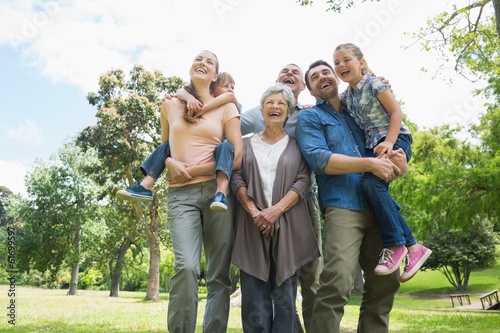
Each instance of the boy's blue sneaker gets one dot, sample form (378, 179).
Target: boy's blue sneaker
(136, 192)
(219, 203)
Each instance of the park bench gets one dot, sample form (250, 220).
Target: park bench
(459, 298)
(489, 301)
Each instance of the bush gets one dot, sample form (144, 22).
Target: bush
(90, 279)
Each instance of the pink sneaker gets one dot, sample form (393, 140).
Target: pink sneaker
(390, 260)
(414, 261)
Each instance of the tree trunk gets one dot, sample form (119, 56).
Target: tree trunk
(116, 271)
(153, 287)
(151, 230)
(496, 6)
(73, 285)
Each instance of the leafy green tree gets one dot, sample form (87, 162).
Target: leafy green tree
(335, 5)
(467, 37)
(61, 213)
(127, 130)
(110, 253)
(451, 183)
(6, 224)
(5, 218)
(448, 17)
(456, 254)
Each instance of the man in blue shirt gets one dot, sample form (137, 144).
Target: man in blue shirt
(333, 146)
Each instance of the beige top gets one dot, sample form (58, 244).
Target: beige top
(194, 144)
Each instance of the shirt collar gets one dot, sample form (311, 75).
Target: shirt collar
(362, 82)
(320, 102)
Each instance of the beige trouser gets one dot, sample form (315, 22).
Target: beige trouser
(352, 237)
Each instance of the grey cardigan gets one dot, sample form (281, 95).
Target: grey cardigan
(294, 243)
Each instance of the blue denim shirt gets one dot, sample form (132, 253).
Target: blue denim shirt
(320, 132)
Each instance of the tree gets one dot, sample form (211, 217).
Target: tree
(451, 183)
(7, 226)
(335, 5)
(5, 218)
(60, 214)
(456, 254)
(123, 232)
(467, 35)
(127, 130)
(449, 16)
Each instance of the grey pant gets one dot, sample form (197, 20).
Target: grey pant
(352, 237)
(192, 224)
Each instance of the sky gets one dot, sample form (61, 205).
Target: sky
(52, 53)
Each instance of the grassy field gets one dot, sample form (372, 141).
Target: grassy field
(421, 306)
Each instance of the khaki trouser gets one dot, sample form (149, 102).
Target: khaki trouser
(352, 237)
(192, 224)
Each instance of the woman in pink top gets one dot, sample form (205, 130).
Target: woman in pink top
(192, 224)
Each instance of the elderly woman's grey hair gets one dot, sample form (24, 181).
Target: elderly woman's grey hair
(280, 88)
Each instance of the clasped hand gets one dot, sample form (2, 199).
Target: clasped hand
(392, 166)
(177, 172)
(265, 220)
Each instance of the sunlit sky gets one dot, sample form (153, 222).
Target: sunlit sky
(52, 53)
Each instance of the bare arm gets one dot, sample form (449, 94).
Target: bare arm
(233, 135)
(194, 106)
(391, 105)
(207, 169)
(179, 172)
(164, 122)
(247, 202)
(340, 164)
(224, 98)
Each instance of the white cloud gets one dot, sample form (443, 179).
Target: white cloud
(12, 176)
(76, 41)
(28, 133)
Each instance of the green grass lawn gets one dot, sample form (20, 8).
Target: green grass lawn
(421, 306)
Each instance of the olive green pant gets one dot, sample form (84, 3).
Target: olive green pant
(193, 224)
(352, 237)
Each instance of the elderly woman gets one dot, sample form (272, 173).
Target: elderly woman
(274, 236)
